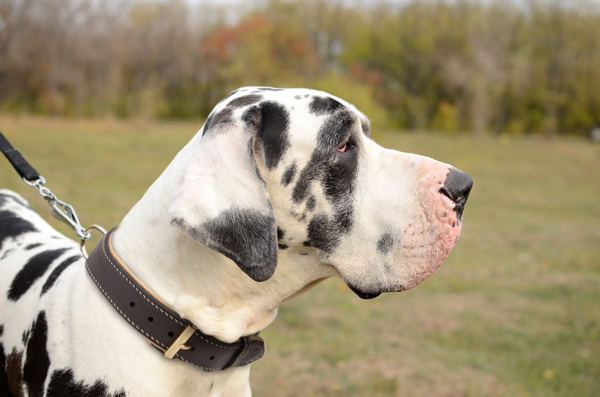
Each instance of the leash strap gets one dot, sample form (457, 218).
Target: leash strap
(161, 326)
(25, 170)
(59, 209)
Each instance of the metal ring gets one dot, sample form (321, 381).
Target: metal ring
(83, 240)
(36, 183)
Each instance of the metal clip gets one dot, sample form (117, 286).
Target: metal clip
(64, 212)
(60, 210)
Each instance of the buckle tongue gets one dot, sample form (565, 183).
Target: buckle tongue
(180, 342)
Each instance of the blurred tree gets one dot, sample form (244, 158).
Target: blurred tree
(485, 66)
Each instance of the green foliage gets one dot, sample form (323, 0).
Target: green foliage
(480, 66)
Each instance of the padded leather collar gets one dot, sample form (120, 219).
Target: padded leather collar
(159, 324)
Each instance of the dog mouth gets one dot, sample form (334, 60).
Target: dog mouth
(363, 295)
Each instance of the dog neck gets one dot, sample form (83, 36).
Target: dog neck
(198, 283)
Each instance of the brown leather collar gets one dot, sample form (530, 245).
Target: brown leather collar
(160, 325)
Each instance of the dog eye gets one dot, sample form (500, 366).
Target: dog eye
(343, 147)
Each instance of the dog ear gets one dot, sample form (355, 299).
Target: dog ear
(222, 201)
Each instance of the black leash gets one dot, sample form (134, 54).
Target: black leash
(60, 210)
(25, 170)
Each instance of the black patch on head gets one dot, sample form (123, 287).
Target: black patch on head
(222, 117)
(31, 272)
(336, 172)
(325, 233)
(385, 243)
(32, 246)
(12, 225)
(245, 236)
(321, 234)
(289, 174)
(37, 360)
(274, 132)
(280, 233)
(62, 383)
(57, 272)
(244, 101)
(325, 161)
(323, 105)
(282, 246)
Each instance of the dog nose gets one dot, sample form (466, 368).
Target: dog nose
(457, 187)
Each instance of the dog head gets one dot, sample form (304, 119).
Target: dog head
(296, 169)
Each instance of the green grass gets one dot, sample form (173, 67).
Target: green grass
(514, 311)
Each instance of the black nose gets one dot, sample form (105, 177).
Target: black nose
(457, 187)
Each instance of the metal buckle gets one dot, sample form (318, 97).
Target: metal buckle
(179, 343)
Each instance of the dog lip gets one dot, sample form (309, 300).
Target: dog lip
(363, 295)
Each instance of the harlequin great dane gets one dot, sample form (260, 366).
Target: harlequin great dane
(279, 190)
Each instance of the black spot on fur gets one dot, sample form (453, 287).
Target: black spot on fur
(289, 174)
(4, 388)
(244, 101)
(57, 272)
(62, 383)
(37, 360)
(245, 236)
(280, 233)
(385, 243)
(31, 272)
(282, 246)
(12, 372)
(12, 225)
(32, 246)
(274, 132)
(325, 232)
(222, 117)
(311, 203)
(324, 105)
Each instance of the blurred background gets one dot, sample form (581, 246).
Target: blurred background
(100, 95)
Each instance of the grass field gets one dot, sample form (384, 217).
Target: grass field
(514, 311)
